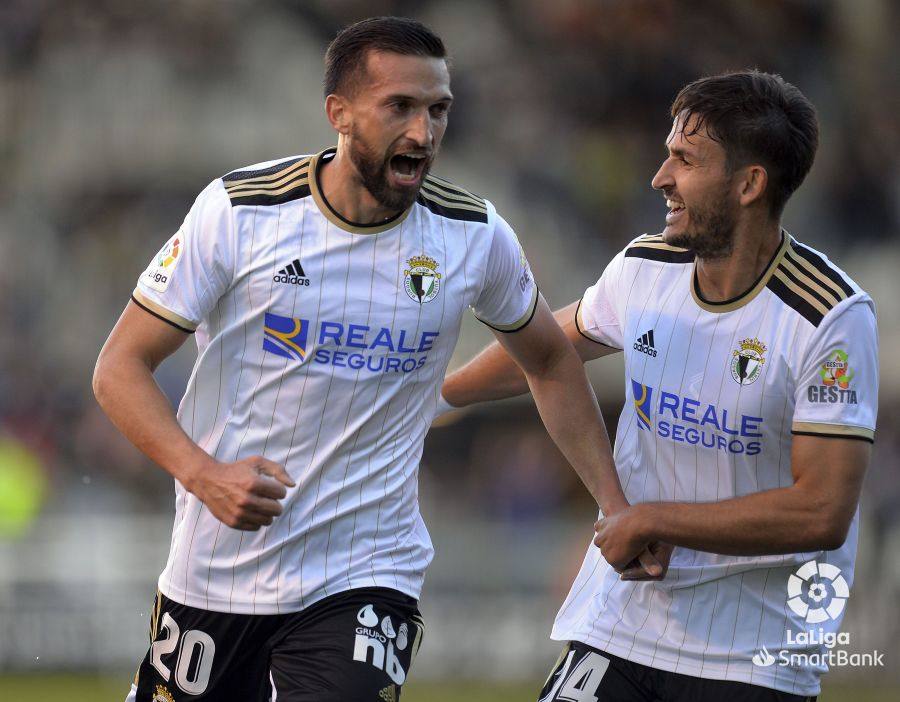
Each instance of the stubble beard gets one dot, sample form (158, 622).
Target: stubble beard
(373, 173)
(711, 232)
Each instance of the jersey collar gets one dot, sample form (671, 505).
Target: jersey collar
(745, 297)
(332, 215)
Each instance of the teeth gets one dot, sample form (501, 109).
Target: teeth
(672, 205)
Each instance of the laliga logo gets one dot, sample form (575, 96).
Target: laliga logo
(814, 607)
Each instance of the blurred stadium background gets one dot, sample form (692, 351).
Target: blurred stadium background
(115, 114)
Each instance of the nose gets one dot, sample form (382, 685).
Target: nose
(419, 129)
(663, 178)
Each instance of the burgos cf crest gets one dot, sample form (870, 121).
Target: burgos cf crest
(285, 336)
(747, 361)
(162, 695)
(422, 282)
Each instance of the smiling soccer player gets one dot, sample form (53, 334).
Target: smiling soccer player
(751, 367)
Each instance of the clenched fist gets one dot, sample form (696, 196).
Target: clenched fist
(244, 494)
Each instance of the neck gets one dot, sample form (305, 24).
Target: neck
(723, 279)
(342, 187)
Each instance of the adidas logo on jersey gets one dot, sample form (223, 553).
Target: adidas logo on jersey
(292, 274)
(645, 344)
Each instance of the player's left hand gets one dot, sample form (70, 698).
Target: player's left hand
(661, 551)
(621, 538)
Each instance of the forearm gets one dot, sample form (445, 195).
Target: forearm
(128, 393)
(570, 413)
(784, 520)
(491, 375)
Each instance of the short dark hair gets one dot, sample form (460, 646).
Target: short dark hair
(758, 118)
(345, 59)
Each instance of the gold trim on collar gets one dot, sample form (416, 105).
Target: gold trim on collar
(744, 298)
(332, 216)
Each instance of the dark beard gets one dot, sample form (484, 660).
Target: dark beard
(711, 234)
(374, 178)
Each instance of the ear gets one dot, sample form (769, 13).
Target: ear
(753, 185)
(338, 111)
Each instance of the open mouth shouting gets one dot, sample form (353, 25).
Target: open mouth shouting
(406, 170)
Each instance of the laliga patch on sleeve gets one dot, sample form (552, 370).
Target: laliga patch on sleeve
(159, 272)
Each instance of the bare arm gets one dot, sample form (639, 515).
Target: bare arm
(494, 375)
(812, 514)
(240, 494)
(555, 374)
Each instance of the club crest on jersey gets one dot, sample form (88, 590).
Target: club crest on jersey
(162, 695)
(421, 281)
(159, 272)
(747, 361)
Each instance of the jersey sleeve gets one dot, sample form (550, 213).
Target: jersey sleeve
(193, 269)
(598, 317)
(837, 388)
(509, 294)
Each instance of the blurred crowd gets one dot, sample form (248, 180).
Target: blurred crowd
(114, 115)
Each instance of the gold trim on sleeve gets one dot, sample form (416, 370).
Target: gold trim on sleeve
(833, 430)
(161, 311)
(580, 326)
(521, 321)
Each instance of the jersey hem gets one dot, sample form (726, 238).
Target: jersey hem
(761, 678)
(213, 604)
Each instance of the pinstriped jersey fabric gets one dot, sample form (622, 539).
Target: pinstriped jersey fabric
(714, 393)
(321, 346)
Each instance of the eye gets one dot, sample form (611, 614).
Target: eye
(439, 110)
(400, 106)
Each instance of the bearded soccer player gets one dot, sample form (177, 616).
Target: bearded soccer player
(326, 294)
(751, 378)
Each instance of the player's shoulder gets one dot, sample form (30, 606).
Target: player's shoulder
(810, 283)
(450, 201)
(269, 182)
(651, 247)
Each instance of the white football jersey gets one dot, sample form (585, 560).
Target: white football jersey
(322, 346)
(714, 393)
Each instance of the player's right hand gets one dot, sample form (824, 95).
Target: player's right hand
(245, 494)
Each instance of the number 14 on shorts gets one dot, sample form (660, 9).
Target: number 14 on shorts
(578, 682)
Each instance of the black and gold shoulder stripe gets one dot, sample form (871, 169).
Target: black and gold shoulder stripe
(283, 182)
(806, 282)
(447, 200)
(652, 247)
